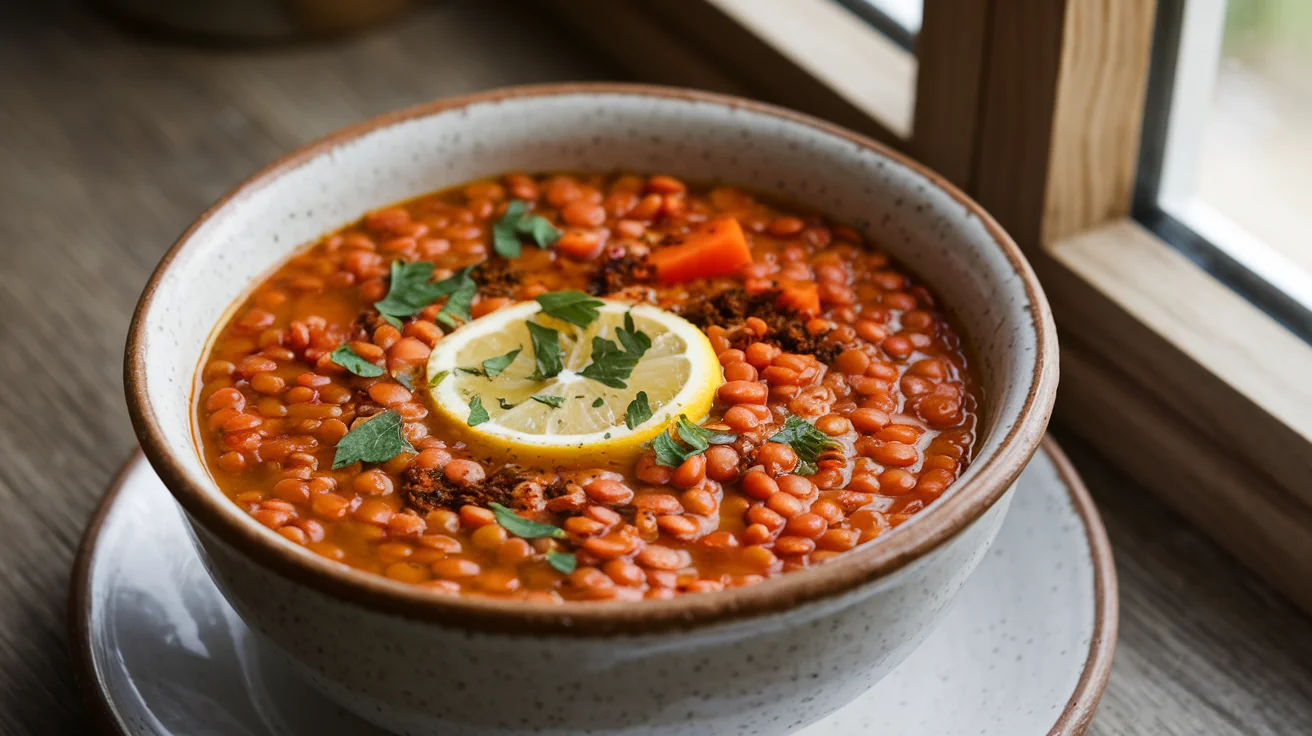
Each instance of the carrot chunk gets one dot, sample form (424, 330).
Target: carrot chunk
(715, 248)
(803, 298)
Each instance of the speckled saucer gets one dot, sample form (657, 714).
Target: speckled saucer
(1026, 650)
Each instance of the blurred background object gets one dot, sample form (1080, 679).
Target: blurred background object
(253, 21)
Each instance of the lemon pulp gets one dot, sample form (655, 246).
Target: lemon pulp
(574, 418)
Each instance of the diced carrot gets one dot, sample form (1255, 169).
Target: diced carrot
(715, 248)
(803, 298)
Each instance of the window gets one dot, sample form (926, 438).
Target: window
(1226, 170)
(1152, 159)
(897, 19)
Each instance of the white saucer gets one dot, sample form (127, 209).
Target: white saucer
(1026, 649)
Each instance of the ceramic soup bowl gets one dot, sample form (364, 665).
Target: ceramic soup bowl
(761, 659)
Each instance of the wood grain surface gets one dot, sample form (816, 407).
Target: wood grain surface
(110, 144)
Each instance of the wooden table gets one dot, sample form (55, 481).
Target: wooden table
(110, 145)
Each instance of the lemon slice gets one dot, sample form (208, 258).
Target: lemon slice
(574, 419)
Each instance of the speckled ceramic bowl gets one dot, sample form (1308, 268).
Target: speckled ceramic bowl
(763, 659)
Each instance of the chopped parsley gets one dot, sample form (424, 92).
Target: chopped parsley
(546, 351)
(493, 367)
(517, 224)
(477, 414)
(375, 440)
(807, 442)
(692, 440)
(411, 289)
(505, 405)
(461, 297)
(437, 378)
(405, 378)
(524, 528)
(351, 361)
(573, 307)
(639, 411)
(555, 402)
(597, 402)
(612, 364)
(562, 562)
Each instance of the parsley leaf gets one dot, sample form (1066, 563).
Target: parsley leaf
(573, 307)
(515, 224)
(638, 412)
(807, 441)
(437, 378)
(540, 230)
(376, 440)
(546, 351)
(612, 365)
(493, 367)
(632, 340)
(669, 452)
(477, 414)
(562, 562)
(351, 361)
(506, 405)
(505, 234)
(555, 402)
(405, 378)
(695, 434)
(596, 402)
(692, 441)
(460, 299)
(524, 528)
(411, 290)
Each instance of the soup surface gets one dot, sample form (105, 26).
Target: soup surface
(586, 387)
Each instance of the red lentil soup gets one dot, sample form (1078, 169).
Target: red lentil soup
(846, 404)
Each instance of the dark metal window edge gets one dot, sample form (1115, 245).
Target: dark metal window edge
(1161, 84)
(896, 32)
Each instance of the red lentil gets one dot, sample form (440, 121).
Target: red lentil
(837, 335)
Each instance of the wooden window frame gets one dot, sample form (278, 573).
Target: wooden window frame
(1035, 108)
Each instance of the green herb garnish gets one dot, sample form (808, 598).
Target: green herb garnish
(693, 440)
(555, 402)
(562, 562)
(411, 289)
(351, 361)
(807, 442)
(493, 367)
(524, 528)
(376, 440)
(638, 412)
(632, 340)
(573, 307)
(505, 405)
(405, 378)
(461, 297)
(669, 452)
(477, 414)
(472, 371)
(437, 378)
(546, 351)
(516, 224)
(597, 402)
(612, 365)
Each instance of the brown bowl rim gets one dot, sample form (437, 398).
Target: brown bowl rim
(938, 524)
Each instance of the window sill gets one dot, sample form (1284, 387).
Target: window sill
(1185, 384)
